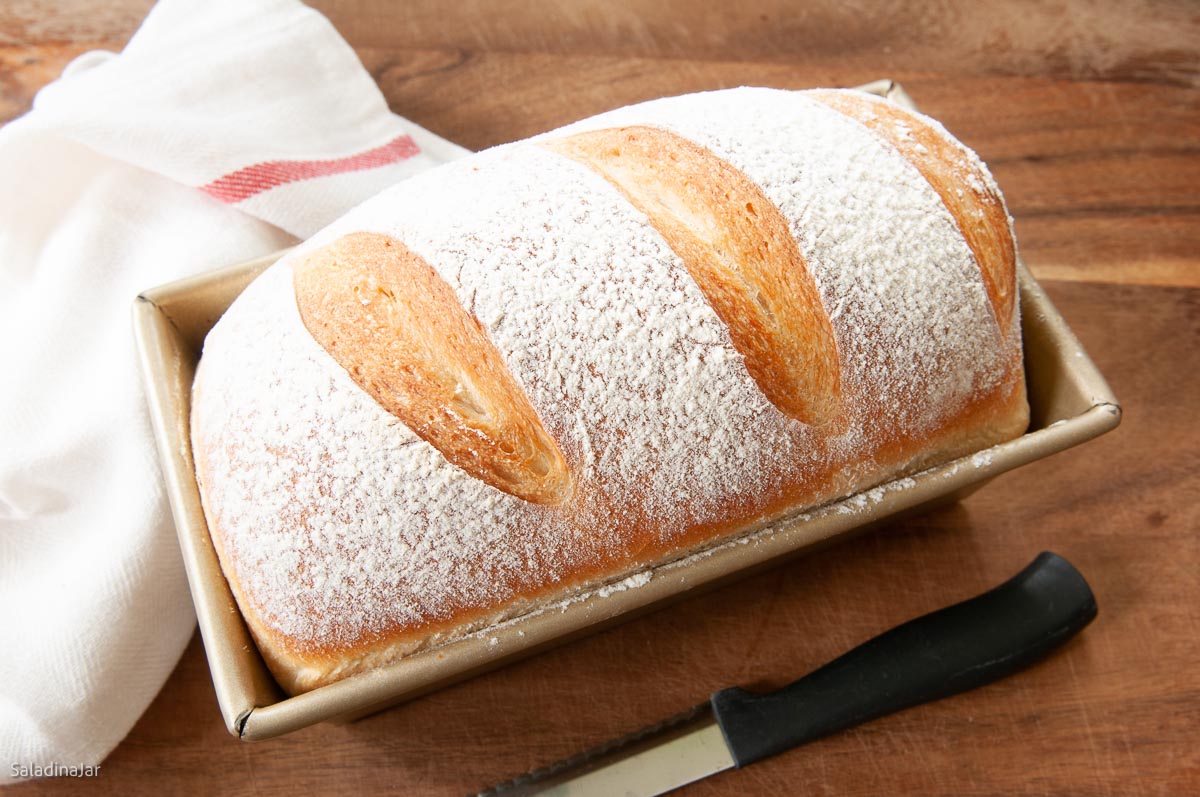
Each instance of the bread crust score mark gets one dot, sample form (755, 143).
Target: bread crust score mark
(739, 250)
(956, 176)
(402, 335)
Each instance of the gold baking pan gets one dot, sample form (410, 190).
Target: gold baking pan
(1069, 402)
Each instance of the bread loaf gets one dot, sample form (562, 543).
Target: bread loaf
(560, 362)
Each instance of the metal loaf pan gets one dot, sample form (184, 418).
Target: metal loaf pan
(1069, 400)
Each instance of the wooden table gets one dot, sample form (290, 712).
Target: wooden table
(1089, 114)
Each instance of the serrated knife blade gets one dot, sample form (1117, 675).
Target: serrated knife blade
(940, 654)
(654, 760)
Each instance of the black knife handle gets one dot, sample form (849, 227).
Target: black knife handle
(940, 654)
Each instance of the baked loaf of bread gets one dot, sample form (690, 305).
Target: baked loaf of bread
(562, 361)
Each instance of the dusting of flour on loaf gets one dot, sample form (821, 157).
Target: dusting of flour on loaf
(600, 322)
(338, 517)
(341, 524)
(894, 271)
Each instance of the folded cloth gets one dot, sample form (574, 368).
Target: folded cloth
(225, 130)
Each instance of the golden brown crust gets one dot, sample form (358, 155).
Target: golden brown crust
(948, 167)
(390, 321)
(398, 329)
(738, 248)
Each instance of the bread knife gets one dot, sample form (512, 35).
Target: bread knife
(940, 654)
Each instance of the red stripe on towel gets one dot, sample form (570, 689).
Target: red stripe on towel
(251, 180)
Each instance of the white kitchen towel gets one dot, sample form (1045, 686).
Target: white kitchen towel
(223, 131)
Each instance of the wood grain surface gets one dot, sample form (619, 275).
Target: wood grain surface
(1089, 115)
